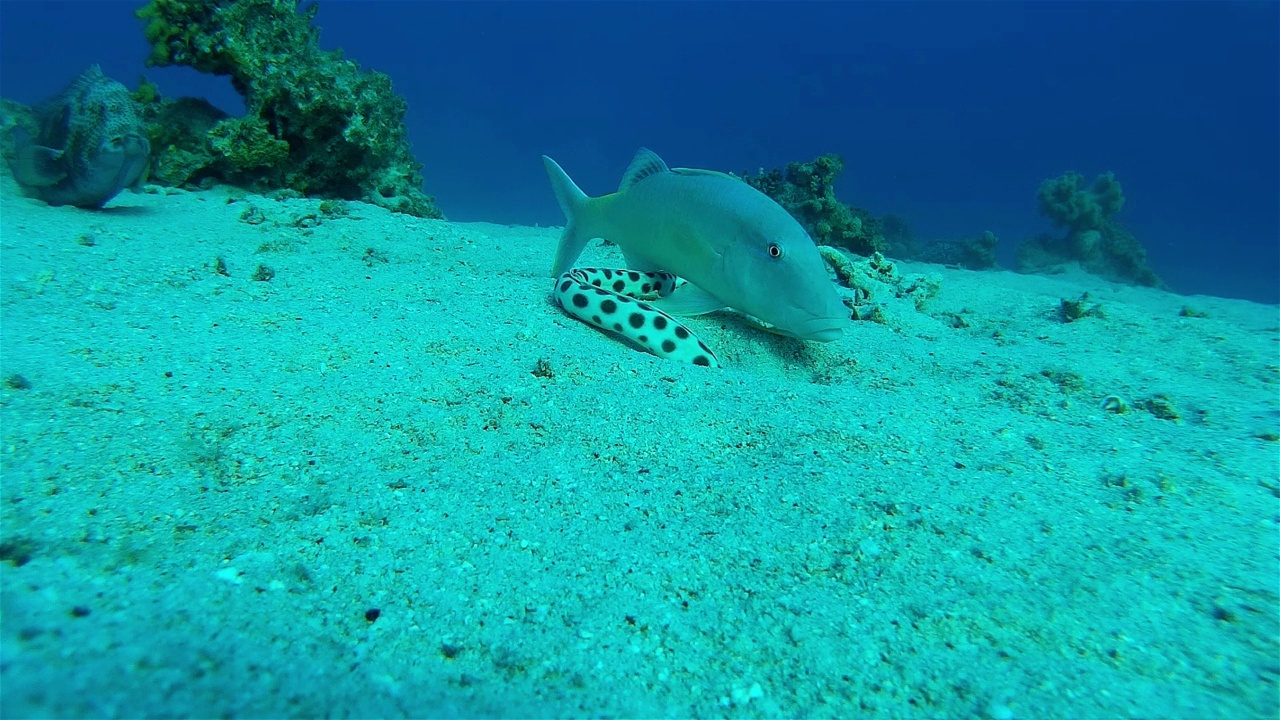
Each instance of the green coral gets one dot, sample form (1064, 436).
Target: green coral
(248, 144)
(315, 122)
(147, 92)
(1093, 236)
(1073, 310)
(172, 26)
(1066, 202)
(181, 151)
(807, 191)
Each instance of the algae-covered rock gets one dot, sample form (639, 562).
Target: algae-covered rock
(315, 122)
(181, 151)
(806, 190)
(248, 144)
(14, 114)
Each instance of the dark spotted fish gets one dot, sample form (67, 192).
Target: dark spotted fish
(90, 145)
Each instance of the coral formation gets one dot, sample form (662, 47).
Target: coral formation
(315, 121)
(1093, 237)
(1067, 204)
(181, 148)
(806, 190)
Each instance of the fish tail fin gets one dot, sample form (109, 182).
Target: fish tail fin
(577, 212)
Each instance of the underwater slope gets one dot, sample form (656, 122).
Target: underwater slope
(234, 427)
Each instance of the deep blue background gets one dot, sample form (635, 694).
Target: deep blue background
(949, 114)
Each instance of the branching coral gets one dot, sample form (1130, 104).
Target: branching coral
(1093, 237)
(807, 191)
(1067, 204)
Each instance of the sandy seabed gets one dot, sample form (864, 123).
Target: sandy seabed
(263, 459)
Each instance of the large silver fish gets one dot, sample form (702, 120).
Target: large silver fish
(733, 245)
(91, 144)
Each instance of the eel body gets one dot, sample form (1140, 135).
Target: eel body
(617, 301)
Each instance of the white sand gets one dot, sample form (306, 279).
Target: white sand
(211, 479)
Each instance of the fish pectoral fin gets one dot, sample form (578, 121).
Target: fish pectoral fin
(38, 166)
(689, 299)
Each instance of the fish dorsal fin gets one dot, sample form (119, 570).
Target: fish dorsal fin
(84, 82)
(645, 163)
(91, 74)
(709, 173)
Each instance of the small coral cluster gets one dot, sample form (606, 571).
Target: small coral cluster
(1093, 237)
(315, 122)
(865, 279)
(806, 190)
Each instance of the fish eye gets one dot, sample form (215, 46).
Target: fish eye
(775, 250)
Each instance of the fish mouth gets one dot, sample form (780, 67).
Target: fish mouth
(815, 329)
(821, 329)
(131, 144)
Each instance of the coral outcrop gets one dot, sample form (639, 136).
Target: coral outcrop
(315, 122)
(1093, 238)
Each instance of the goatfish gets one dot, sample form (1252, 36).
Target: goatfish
(731, 245)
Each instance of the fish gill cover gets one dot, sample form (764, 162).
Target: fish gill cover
(314, 122)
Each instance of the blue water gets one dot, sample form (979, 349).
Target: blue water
(949, 114)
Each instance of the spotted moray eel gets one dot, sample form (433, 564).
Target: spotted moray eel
(614, 301)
